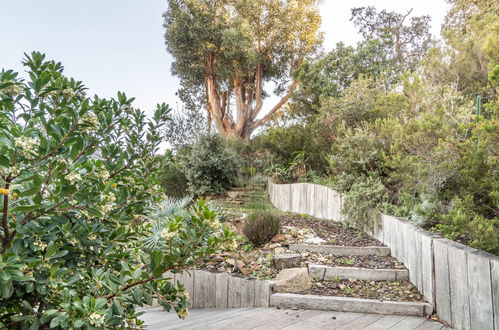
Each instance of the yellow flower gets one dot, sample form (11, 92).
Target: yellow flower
(114, 185)
(183, 314)
(4, 191)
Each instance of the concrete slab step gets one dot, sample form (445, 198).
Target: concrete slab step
(323, 272)
(346, 304)
(342, 250)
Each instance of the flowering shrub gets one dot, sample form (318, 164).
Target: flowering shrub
(78, 184)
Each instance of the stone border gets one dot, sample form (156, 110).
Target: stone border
(345, 304)
(342, 250)
(223, 290)
(329, 273)
(462, 283)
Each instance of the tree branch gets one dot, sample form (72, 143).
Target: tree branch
(283, 100)
(5, 225)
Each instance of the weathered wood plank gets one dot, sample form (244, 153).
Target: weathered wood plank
(204, 289)
(427, 268)
(442, 285)
(458, 277)
(361, 322)
(234, 292)
(247, 287)
(263, 290)
(287, 320)
(480, 291)
(222, 290)
(494, 276)
(431, 325)
(410, 322)
(385, 322)
(326, 320)
(251, 320)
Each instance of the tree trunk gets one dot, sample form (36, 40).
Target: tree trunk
(247, 95)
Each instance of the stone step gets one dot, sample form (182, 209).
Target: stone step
(346, 304)
(342, 250)
(322, 272)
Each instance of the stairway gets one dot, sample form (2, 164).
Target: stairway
(321, 273)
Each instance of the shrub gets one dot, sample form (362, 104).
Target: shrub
(210, 166)
(362, 202)
(172, 178)
(261, 227)
(78, 187)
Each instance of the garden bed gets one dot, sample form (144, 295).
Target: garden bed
(380, 290)
(371, 262)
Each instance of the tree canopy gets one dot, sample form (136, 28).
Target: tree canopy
(225, 51)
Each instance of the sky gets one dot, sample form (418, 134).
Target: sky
(118, 45)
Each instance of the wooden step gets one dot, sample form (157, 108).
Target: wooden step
(346, 304)
(342, 250)
(322, 272)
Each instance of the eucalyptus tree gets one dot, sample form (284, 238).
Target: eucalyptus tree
(225, 51)
(406, 38)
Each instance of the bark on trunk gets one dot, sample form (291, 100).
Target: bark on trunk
(247, 95)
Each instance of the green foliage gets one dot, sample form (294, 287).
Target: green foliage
(260, 227)
(78, 184)
(362, 202)
(172, 178)
(226, 51)
(211, 166)
(405, 41)
(461, 223)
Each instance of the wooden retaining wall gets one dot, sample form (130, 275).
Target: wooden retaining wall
(223, 290)
(460, 282)
(306, 198)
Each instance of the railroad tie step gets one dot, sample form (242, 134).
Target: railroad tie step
(342, 250)
(322, 272)
(347, 304)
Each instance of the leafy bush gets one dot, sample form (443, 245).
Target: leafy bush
(362, 202)
(260, 227)
(172, 177)
(210, 166)
(460, 223)
(78, 184)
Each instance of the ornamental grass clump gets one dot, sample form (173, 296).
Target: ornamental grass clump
(261, 227)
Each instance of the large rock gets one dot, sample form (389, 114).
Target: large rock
(293, 280)
(287, 260)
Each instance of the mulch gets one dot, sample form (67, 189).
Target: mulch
(334, 233)
(380, 290)
(371, 262)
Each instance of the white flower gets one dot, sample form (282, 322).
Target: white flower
(73, 177)
(68, 93)
(167, 234)
(96, 319)
(12, 90)
(91, 119)
(26, 144)
(103, 174)
(109, 200)
(14, 171)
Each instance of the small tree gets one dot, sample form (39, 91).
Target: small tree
(78, 184)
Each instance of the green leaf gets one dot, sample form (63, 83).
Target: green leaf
(4, 161)
(51, 250)
(26, 208)
(6, 289)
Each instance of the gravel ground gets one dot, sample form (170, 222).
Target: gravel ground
(381, 290)
(335, 233)
(371, 262)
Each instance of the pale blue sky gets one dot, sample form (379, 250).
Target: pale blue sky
(117, 45)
